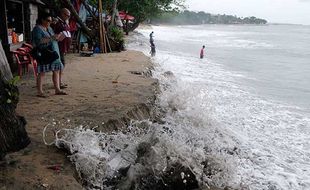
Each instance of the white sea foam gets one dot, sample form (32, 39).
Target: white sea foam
(249, 141)
(214, 38)
(271, 137)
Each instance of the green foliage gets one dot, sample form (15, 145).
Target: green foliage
(190, 17)
(93, 3)
(142, 9)
(11, 90)
(14, 80)
(117, 34)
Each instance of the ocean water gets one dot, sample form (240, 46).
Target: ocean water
(244, 110)
(250, 96)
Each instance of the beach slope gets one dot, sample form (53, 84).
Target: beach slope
(106, 90)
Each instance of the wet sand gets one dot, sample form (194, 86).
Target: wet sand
(104, 90)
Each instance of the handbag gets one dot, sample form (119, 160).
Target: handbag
(44, 56)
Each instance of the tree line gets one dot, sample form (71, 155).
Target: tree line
(142, 10)
(195, 18)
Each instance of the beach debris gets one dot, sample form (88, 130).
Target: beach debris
(136, 72)
(86, 53)
(45, 185)
(44, 135)
(56, 167)
(115, 80)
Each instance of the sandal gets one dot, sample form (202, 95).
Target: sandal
(61, 93)
(63, 86)
(42, 96)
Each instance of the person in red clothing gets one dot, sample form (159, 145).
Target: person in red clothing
(62, 26)
(202, 52)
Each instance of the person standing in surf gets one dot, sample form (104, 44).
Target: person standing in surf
(202, 52)
(152, 39)
(153, 49)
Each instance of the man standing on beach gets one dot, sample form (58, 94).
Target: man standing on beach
(62, 26)
(152, 39)
(202, 52)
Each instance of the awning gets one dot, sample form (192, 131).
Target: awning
(124, 16)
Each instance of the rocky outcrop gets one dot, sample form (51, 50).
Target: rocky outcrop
(13, 135)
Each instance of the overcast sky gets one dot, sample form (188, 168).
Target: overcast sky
(275, 11)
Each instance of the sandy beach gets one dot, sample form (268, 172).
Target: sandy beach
(104, 90)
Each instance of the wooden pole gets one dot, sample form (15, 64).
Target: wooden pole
(108, 42)
(100, 26)
(114, 13)
(104, 39)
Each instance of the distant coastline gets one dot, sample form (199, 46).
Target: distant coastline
(196, 18)
(293, 24)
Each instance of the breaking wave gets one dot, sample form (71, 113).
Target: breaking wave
(213, 132)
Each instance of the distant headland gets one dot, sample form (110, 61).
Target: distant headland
(195, 18)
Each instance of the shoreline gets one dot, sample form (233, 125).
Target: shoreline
(107, 91)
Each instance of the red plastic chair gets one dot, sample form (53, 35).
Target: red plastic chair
(24, 59)
(27, 45)
(28, 48)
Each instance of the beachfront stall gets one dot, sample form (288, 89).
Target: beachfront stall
(18, 18)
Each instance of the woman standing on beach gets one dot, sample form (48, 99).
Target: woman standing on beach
(43, 38)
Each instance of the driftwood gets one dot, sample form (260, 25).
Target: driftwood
(13, 135)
